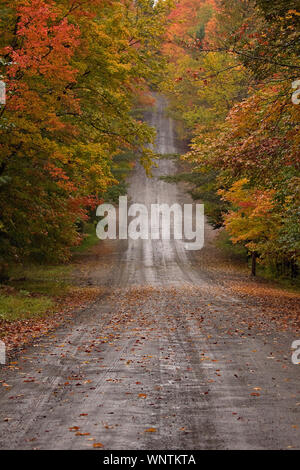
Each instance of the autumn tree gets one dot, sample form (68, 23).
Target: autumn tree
(232, 87)
(73, 71)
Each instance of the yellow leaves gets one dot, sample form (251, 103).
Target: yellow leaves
(252, 217)
(97, 169)
(101, 34)
(78, 113)
(290, 13)
(236, 191)
(74, 428)
(98, 445)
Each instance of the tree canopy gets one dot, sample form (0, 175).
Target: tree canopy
(232, 86)
(74, 71)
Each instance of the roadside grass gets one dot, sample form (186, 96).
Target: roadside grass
(283, 281)
(236, 254)
(35, 291)
(52, 281)
(90, 239)
(22, 306)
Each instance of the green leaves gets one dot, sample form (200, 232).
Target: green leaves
(74, 72)
(233, 92)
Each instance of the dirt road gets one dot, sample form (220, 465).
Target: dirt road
(167, 358)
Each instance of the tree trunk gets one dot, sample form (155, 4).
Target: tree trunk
(294, 269)
(253, 263)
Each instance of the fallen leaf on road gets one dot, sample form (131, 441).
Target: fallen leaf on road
(150, 430)
(74, 428)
